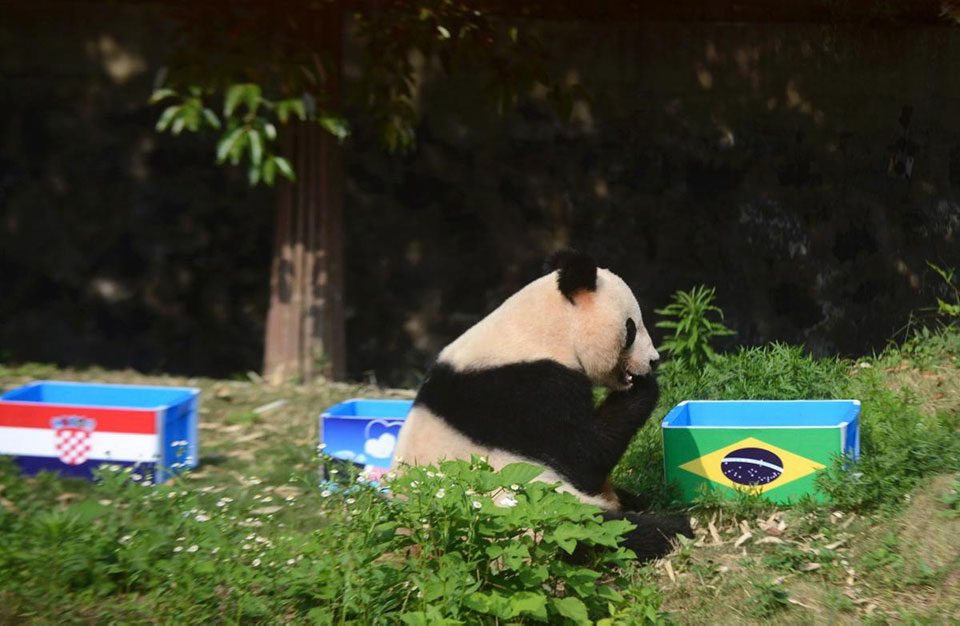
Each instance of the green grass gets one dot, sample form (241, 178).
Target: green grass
(249, 537)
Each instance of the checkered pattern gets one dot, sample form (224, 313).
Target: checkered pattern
(73, 445)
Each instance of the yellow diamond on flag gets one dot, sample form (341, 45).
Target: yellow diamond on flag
(752, 464)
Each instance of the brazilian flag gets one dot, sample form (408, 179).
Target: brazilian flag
(779, 462)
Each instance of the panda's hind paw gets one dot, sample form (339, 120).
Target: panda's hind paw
(654, 535)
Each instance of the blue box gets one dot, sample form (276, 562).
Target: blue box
(770, 447)
(73, 428)
(363, 431)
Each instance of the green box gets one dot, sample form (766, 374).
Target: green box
(771, 447)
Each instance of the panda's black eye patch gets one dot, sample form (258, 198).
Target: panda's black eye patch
(631, 332)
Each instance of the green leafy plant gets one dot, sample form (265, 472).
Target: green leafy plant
(495, 545)
(692, 327)
(258, 51)
(454, 543)
(948, 276)
(251, 124)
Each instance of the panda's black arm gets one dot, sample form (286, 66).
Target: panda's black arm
(619, 418)
(622, 413)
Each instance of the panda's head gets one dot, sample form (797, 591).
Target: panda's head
(611, 344)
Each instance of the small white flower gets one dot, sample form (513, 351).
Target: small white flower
(398, 459)
(391, 475)
(507, 501)
(125, 538)
(215, 550)
(178, 549)
(181, 538)
(477, 504)
(515, 487)
(325, 493)
(469, 492)
(172, 495)
(256, 562)
(334, 471)
(193, 548)
(202, 517)
(440, 474)
(441, 492)
(291, 561)
(321, 446)
(414, 484)
(430, 474)
(136, 476)
(351, 500)
(245, 546)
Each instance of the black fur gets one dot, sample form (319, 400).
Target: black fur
(631, 333)
(544, 411)
(576, 271)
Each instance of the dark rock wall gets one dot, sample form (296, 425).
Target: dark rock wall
(767, 160)
(118, 246)
(806, 171)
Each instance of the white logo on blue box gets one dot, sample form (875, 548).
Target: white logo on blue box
(364, 431)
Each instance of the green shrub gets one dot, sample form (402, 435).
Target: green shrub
(494, 546)
(689, 344)
(459, 543)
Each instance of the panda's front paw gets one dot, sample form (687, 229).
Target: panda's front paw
(646, 384)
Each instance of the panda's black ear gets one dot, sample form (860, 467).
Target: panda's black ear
(576, 271)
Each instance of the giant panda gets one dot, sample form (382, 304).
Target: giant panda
(518, 386)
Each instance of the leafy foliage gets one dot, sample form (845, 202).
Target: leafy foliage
(259, 50)
(251, 126)
(949, 277)
(454, 543)
(692, 328)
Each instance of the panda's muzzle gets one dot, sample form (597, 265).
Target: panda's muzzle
(627, 377)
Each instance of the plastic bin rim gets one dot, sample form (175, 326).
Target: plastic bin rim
(194, 391)
(844, 424)
(326, 413)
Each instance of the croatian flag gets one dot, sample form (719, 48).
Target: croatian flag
(51, 426)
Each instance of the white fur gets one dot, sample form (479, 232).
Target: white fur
(425, 439)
